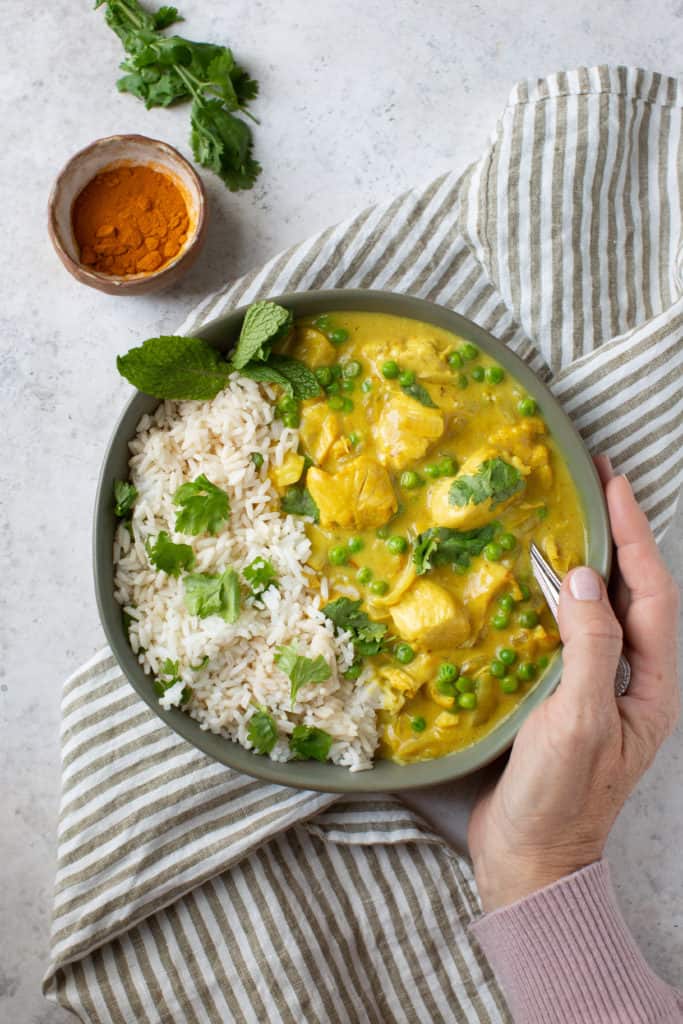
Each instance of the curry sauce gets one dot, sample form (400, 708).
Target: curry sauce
(431, 471)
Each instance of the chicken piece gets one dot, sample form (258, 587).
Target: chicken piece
(313, 348)
(421, 355)
(521, 439)
(431, 616)
(446, 720)
(561, 558)
(471, 516)
(397, 687)
(405, 430)
(357, 496)
(482, 586)
(319, 429)
(289, 471)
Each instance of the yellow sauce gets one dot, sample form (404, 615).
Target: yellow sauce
(357, 457)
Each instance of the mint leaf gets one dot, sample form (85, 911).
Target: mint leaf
(264, 323)
(124, 498)
(298, 501)
(301, 670)
(169, 557)
(495, 479)
(263, 373)
(262, 731)
(419, 393)
(308, 742)
(204, 508)
(303, 381)
(175, 368)
(207, 594)
(443, 546)
(260, 574)
(367, 636)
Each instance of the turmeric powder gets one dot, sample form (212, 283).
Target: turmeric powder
(130, 219)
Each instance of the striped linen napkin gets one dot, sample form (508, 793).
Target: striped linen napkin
(188, 892)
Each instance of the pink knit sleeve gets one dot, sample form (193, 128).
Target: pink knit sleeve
(565, 956)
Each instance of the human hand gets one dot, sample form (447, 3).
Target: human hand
(581, 752)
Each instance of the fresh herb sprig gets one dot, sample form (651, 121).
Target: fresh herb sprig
(495, 479)
(442, 546)
(161, 70)
(368, 637)
(299, 669)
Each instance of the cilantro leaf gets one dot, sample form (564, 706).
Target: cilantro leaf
(298, 501)
(367, 636)
(223, 143)
(309, 742)
(166, 16)
(169, 557)
(264, 323)
(262, 731)
(175, 367)
(204, 508)
(443, 546)
(124, 498)
(168, 677)
(301, 670)
(260, 574)
(494, 479)
(419, 393)
(207, 594)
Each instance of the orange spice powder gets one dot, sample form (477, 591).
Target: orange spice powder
(130, 220)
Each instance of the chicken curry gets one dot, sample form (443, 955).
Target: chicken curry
(426, 471)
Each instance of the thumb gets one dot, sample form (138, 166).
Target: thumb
(592, 638)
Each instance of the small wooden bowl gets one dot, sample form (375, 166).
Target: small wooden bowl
(82, 168)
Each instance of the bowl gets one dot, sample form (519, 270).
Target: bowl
(386, 776)
(122, 150)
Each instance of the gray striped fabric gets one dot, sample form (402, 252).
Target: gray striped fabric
(187, 892)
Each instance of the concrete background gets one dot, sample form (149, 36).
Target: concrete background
(360, 99)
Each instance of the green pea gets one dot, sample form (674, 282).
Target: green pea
(336, 403)
(469, 351)
(446, 687)
(507, 541)
(348, 386)
(524, 591)
(287, 404)
(355, 544)
(410, 479)
(379, 587)
(347, 405)
(257, 459)
(390, 369)
(467, 701)
(338, 555)
(542, 512)
(323, 375)
(493, 552)
(366, 386)
(352, 369)
(528, 619)
(509, 684)
(463, 381)
(526, 671)
(397, 545)
(355, 438)
(406, 378)
(526, 407)
(291, 419)
(543, 661)
(507, 655)
(495, 374)
(447, 672)
(497, 668)
(447, 466)
(334, 388)
(382, 532)
(432, 470)
(478, 374)
(364, 575)
(454, 360)
(353, 671)
(418, 724)
(404, 653)
(465, 685)
(336, 371)
(500, 620)
(322, 322)
(507, 602)
(338, 336)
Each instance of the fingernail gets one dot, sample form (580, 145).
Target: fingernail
(585, 585)
(624, 477)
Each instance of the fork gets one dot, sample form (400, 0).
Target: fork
(550, 583)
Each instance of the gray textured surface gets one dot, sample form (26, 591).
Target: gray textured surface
(360, 100)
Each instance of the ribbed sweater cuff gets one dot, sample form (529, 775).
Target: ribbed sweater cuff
(565, 955)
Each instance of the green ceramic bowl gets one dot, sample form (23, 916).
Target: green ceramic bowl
(385, 776)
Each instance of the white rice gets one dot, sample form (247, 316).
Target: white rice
(178, 443)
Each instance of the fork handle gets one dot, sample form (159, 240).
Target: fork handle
(622, 679)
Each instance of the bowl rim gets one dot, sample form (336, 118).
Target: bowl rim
(129, 282)
(385, 776)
